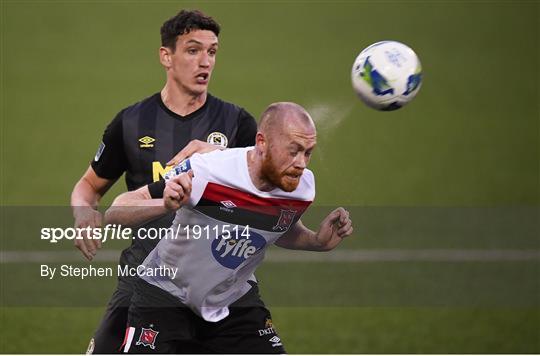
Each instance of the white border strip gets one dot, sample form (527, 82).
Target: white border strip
(129, 340)
(287, 256)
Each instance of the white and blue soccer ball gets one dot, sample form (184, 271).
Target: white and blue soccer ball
(387, 75)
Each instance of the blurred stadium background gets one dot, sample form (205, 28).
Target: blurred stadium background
(444, 193)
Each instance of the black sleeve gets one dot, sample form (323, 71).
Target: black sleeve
(110, 159)
(247, 129)
(156, 189)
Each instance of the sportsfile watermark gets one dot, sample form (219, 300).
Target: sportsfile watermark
(118, 232)
(397, 256)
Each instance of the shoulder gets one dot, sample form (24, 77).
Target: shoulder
(306, 188)
(217, 102)
(219, 157)
(134, 110)
(219, 164)
(221, 105)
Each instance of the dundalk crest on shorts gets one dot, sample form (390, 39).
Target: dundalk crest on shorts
(147, 338)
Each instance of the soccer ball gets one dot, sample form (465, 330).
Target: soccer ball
(387, 75)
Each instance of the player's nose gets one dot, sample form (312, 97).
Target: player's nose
(300, 162)
(204, 61)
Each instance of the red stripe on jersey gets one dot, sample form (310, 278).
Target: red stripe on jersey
(271, 206)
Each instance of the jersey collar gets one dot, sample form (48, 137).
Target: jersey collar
(187, 117)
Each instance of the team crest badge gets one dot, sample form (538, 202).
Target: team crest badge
(285, 220)
(148, 338)
(218, 139)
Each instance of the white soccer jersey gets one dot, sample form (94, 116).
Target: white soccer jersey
(235, 221)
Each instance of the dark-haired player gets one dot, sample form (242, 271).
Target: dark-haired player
(142, 138)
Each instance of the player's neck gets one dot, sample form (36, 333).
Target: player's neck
(180, 102)
(254, 164)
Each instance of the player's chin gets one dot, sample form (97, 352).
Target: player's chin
(199, 88)
(289, 183)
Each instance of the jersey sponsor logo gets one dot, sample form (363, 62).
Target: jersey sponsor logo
(146, 142)
(99, 151)
(168, 172)
(147, 338)
(175, 171)
(217, 138)
(231, 252)
(158, 171)
(285, 220)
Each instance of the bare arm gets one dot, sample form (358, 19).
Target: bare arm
(332, 230)
(194, 146)
(137, 207)
(298, 237)
(134, 208)
(85, 198)
(89, 190)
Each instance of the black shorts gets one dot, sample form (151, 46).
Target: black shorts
(174, 328)
(110, 333)
(109, 336)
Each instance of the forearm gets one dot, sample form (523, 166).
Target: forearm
(89, 190)
(84, 195)
(299, 237)
(134, 208)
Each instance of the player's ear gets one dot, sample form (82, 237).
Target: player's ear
(165, 57)
(260, 140)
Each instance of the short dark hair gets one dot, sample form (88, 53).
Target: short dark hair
(184, 22)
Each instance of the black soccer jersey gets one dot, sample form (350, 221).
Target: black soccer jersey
(142, 138)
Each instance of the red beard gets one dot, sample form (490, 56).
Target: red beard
(282, 180)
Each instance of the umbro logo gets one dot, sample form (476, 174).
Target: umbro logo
(228, 204)
(146, 142)
(276, 341)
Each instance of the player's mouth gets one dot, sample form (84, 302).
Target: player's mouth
(289, 182)
(293, 176)
(295, 173)
(202, 78)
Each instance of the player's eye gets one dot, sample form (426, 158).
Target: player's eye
(212, 52)
(192, 51)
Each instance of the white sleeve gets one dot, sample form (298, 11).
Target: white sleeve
(200, 178)
(310, 185)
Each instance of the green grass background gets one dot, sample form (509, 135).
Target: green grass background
(469, 139)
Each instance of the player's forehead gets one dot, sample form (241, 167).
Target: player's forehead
(303, 142)
(299, 128)
(197, 37)
(301, 138)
